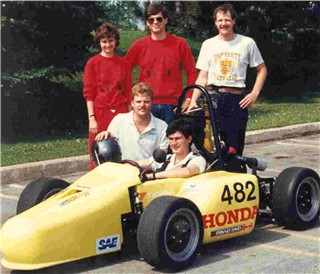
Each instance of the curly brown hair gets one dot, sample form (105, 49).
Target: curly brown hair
(107, 30)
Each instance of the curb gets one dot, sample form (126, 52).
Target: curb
(57, 167)
(49, 168)
(259, 136)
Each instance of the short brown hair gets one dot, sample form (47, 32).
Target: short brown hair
(225, 8)
(154, 9)
(142, 89)
(107, 30)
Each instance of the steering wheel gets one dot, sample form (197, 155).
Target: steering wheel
(133, 163)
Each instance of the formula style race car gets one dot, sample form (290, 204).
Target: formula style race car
(58, 222)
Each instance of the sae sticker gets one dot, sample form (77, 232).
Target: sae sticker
(108, 243)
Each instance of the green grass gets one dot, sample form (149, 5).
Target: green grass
(25, 152)
(127, 38)
(262, 115)
(265, 115)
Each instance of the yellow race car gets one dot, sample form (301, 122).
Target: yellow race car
(58, 222)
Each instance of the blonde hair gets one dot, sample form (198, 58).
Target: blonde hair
(142, 89)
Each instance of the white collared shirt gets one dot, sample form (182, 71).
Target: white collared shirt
(197, 160)
(136, 146)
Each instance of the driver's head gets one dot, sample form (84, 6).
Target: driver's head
(179, 133)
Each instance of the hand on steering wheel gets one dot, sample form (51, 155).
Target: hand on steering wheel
(147, 176)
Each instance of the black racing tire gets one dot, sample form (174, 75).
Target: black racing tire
(39, 190)
(170, 233)
(296, 198)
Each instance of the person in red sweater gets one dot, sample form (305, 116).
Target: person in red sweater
(107, 83)
(162, 57)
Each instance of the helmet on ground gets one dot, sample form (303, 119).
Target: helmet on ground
(107, 150)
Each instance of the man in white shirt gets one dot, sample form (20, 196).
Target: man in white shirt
(183, 162)
(138, 132)
(223, 62)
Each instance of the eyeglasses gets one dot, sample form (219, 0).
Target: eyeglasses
(158, 19)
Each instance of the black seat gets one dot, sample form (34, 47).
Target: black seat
(198, 123)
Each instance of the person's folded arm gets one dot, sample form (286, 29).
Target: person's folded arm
(183, 172)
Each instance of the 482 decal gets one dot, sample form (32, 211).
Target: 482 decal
(238, 192)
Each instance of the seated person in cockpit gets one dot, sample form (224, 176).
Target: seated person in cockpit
(182, 163)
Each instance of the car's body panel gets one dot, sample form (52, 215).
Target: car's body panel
(74, 223)
(221, 219)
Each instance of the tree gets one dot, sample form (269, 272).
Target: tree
(40, 36)
(124, 14)
(41, 40)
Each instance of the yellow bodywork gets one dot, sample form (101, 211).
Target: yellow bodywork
(85, 219)
(66, 226)
(221, 220)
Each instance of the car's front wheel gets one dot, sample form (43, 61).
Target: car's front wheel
(39, 190)
(296, 198)
(170, 233)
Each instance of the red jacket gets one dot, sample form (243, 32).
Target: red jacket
(161, 64)
(107, 81)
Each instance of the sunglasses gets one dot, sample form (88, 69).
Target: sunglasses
(158, 19)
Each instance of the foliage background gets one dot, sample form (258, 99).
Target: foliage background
(45, 46)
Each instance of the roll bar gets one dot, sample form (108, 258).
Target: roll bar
(212, 118)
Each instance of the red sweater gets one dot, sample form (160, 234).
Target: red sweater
(161, 64)
(107, 81)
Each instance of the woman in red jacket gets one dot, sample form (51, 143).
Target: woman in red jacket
(107, 83)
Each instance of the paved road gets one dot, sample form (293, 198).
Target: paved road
(303, 151)
(268, 249)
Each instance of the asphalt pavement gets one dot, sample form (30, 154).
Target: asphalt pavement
(80, 164)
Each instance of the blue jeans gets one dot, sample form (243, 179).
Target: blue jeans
(163, 112)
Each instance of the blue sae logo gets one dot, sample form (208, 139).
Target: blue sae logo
(108, 243)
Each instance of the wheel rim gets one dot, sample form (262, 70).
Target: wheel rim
(182, 234)
(51, 193)
(308, 199)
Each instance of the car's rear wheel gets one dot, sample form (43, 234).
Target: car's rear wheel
(39, 190)
(170, 233)
(296, 198)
